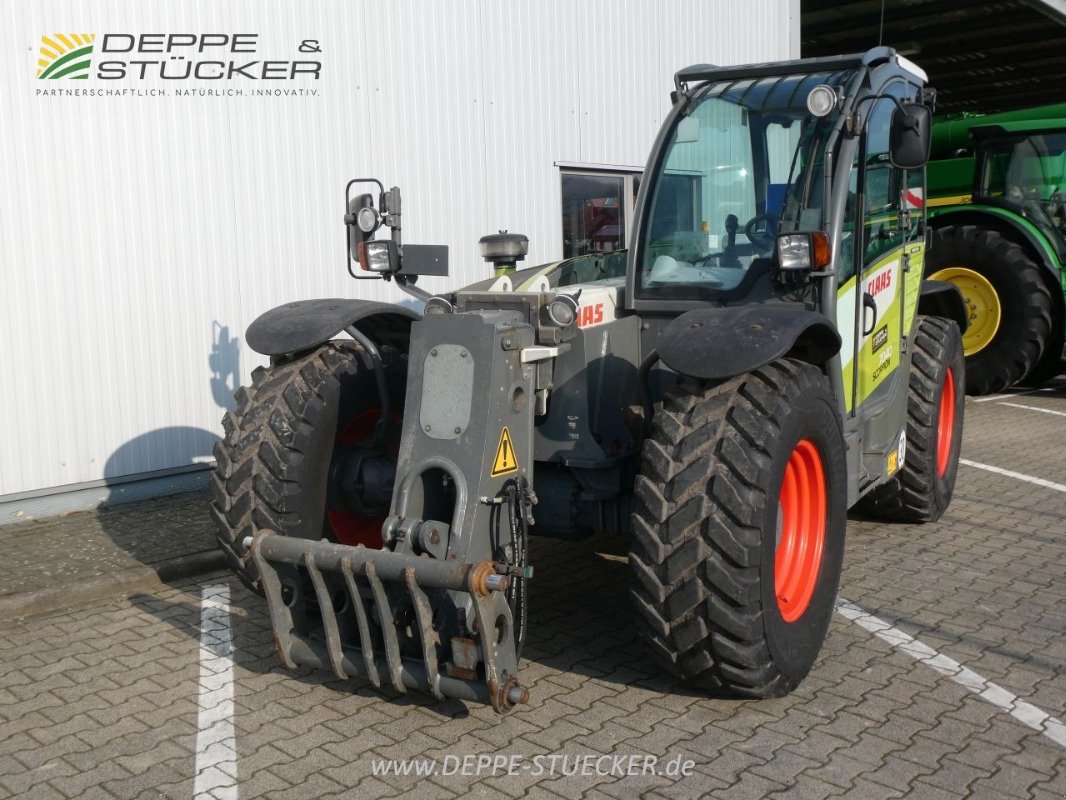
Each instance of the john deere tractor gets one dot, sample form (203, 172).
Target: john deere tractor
(763, 357)
(997, 198)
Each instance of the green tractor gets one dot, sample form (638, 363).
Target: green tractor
(763, 357)
(997, 206)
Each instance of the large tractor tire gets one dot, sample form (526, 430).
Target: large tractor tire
(274, 463)
(738, 529)
(922, 489)
(1053, 362)
(1007, 300)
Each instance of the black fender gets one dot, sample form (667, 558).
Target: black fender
(943, 299)
(305, 324)
(718, 343)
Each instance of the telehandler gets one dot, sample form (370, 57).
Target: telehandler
(765, 356)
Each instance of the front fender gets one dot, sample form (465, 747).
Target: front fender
(305, 324)
(718, 343)
(943, 299)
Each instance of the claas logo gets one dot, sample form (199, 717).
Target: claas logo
(590, 315)
(880, 282)
(65, 55)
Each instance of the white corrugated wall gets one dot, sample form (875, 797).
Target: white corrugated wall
(139, 236)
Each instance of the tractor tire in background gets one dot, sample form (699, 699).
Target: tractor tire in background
(1009, 305)
(273, 464)
(1053, 362)
(922, 489)
(738, 529)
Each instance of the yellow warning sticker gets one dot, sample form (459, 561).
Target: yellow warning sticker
(506, 460)
(893, 462)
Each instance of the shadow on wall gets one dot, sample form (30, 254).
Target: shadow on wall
(225, 364)
(163, 527)
(185, 450)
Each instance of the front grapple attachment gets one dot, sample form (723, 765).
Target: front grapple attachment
(397, 620)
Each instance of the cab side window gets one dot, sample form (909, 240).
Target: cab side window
(847, 229)
(874, 229)
(914, 203)
(883, 185)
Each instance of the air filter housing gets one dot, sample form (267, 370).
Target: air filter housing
(503, 250)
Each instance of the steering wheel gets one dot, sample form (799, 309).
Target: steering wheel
(763, 240)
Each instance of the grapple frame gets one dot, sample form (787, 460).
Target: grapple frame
(357, 592)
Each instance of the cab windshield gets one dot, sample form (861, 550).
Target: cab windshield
(743, 163)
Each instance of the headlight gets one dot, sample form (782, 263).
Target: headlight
(563, 310)
(796, 251)
(378, 256)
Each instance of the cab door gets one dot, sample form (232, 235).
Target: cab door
(884, 243)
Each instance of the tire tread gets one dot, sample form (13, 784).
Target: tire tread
(254, 485)
(695, 552)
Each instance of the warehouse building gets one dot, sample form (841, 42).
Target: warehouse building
(191, 176)
(172, 172)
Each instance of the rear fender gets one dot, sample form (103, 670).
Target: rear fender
(718, 343)
(305, 324)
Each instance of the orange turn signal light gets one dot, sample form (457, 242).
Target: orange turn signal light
(819, 250)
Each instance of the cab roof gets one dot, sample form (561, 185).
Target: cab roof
(801, 66)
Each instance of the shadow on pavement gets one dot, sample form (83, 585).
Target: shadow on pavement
(580, 622)
(160, 528)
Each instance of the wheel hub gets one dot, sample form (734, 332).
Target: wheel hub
(983, 308)
(360, 481)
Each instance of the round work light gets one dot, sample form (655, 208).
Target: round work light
(821, 100)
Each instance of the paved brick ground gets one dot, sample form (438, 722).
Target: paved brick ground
(60, 550)
(102, 702)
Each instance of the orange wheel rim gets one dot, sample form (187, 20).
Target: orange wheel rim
(802, 516)
(946, 426)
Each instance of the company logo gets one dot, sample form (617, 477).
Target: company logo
(172, 57)
(590, 315)
(65, 55)
(879, 282)
(880, 338)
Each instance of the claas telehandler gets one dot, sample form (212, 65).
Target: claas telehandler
(763, 357)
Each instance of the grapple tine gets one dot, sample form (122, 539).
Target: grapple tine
(364, 626)
(486, 633)
(426, 634)
(280, 616)
(422, 591)
(388, 627)
(329, 617)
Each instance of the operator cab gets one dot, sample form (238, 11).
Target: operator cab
(742, 164)
(1022, 167)
(741, 200)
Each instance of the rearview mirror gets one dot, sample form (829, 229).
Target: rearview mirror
(909, 136)
(386, 258)
(362, 219)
